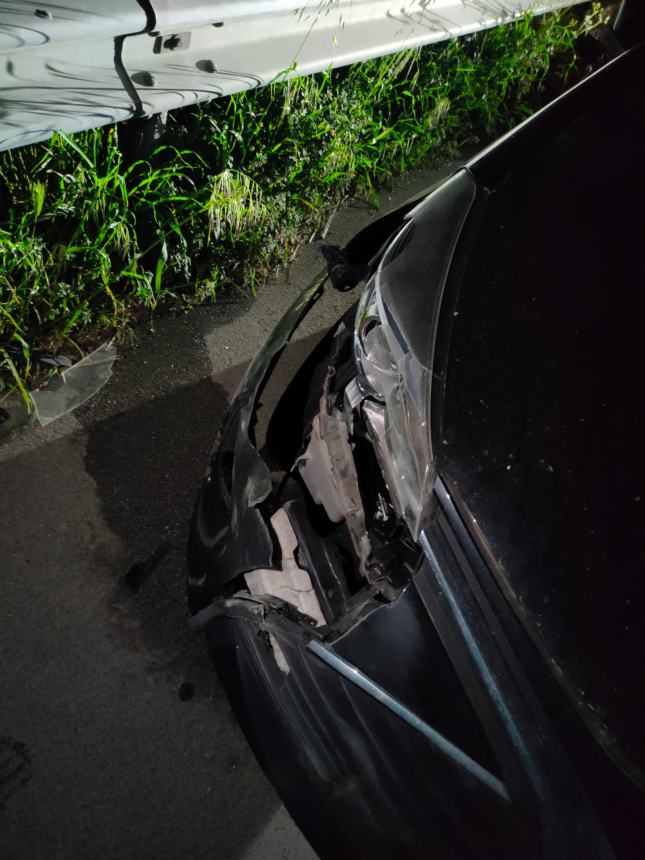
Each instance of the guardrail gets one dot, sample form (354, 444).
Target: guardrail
(86, 64)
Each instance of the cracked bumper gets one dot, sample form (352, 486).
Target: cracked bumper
(229, 534)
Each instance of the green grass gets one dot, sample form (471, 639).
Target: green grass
(88, 244)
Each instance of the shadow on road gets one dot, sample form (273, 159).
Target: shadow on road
(148, 463)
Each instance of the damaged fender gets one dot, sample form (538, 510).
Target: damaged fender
(229, 534)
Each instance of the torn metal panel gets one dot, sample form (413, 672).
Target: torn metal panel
(269, 613)
(251, 481)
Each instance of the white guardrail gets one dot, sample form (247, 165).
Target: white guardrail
(86, 63)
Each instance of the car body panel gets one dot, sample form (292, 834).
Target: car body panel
(429, 708)
(375, 786)
(541, 410)
(229, 535)
(419, 263)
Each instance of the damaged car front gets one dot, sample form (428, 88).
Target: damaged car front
(389, 680)
(301, 560)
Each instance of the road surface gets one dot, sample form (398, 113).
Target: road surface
(99, 755)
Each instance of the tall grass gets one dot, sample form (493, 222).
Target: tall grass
(88, 242)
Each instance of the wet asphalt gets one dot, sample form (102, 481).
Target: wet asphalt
(116, 739)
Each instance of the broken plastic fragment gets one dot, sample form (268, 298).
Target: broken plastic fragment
(399, 431)
(278, 654)
(328, 469)
(74, 385)
(291, 583)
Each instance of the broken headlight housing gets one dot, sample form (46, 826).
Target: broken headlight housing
(395, 393)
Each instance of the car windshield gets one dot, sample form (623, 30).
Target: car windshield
(541, 426)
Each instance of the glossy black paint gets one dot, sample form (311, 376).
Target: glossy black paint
(541, 425)
(629, 24)
(419, 261)
(616, 800)
(537, 773)
(374, 786)
(533, 273)
(619, 77)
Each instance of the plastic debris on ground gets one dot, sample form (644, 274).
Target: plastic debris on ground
(74, 385)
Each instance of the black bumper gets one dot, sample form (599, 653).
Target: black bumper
(229, 533)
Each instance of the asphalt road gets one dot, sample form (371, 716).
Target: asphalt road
(99, 755)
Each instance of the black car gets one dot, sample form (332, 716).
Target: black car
(424, 595)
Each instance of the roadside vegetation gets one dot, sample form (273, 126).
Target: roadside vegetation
(89, 243)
